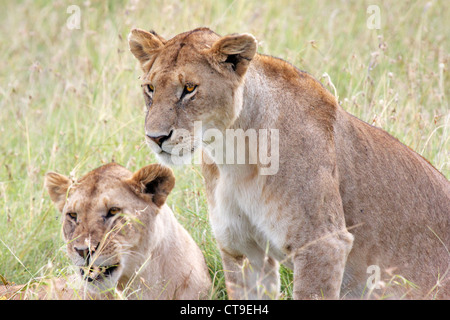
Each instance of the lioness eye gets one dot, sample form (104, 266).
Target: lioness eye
(149, 89)
(113, 211)
(72, 215)
(190, 88)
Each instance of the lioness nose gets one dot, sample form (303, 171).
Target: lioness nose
(159, 139)
(84, 251)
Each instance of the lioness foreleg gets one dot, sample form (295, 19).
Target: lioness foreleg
(251, 276)
(319, 266)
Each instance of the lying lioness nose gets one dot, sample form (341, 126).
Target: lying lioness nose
(159, 139)
(85, 251)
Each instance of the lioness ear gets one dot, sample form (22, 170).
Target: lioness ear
(57, 186)
(156, 180)
(144, 44)
(235, 51)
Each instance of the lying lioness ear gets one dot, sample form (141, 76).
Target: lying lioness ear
(144, 44)
(156, 180)
(235, 51)
(57, 186)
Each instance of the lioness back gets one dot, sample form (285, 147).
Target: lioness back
(395, 203)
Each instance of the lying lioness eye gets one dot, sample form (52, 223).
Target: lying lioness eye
(72, 215)
(113, 211)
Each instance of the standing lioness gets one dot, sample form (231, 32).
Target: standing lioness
(348, 204)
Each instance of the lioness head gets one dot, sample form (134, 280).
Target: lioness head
(195, 76)
(107, 218)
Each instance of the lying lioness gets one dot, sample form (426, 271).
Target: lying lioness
(121, 234)
(347, 207)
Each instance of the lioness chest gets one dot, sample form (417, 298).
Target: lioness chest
(245, 218)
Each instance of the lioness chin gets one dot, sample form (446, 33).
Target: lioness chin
(347, 197)
(122, 237)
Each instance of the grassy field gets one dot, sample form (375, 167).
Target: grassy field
(70, 99)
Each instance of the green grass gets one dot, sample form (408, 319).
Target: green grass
(70, 100)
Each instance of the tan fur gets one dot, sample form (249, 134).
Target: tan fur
(49, 289)
(346, 196)
(155, 256)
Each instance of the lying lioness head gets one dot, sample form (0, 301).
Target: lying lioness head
(120, 233)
